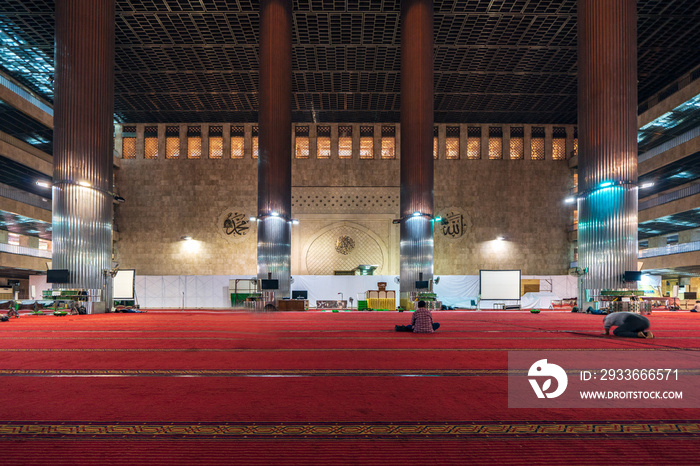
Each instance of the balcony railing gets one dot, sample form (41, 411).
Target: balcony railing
(23, 251)
(670, 249)
(24, 197)
(670, 197)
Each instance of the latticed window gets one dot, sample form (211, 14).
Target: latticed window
(537, 143)
(194, 142)
(452, 143)
(129, 142)
(366, 142)
(388, 142)
(559, 143)
(150, 142)
(473, 143)
(495, 143)
(344, 142)
(172, 142)
(216, 142)
(575, 141)
(517, 143)
(323, 142)
(301, 142)
(237, 142)
(435, 142)
(254, 142)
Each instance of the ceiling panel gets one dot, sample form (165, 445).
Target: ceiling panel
(495, 60)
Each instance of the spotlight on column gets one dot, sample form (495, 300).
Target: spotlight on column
(186, 238)
(606, 184)
(84, 184)
(648, 184)
(500, 238)
(570, 200)
(43, 184)
(274, 214)
(416, 214)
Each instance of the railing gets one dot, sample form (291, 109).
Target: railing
(663, 147)
(670, 197)
(23, 251)
(24, 197)
(670, 249)
(25, 95)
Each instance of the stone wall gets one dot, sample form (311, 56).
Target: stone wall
(345, 209)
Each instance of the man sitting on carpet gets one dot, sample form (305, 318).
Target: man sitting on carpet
(628, 324)
(421, 322)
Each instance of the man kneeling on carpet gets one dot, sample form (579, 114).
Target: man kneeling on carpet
(421, 322)
(628, 324)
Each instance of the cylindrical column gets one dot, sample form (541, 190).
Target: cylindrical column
(416, 246)
(275, 133)
(83, 126)
(607, 119)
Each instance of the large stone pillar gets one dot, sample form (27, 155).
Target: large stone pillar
(83, 126)
(416, 245)
(607, 122)
(275, 133)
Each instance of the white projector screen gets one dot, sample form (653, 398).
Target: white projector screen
(499, 284)
(124, 284)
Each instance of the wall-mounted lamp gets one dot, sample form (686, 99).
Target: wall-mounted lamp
(500, 238)
(186, 238)
(295, 221)
(648, 184)
(570, 200)
(43, 184)
(253, 219)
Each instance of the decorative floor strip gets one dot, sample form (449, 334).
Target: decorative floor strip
(275, 372)
(356, 431)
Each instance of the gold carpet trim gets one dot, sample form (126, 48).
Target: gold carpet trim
(16, 430)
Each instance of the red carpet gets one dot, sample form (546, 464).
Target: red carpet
(316, 388)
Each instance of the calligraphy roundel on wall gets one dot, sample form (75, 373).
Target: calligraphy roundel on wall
(455, 223)
(234, 225)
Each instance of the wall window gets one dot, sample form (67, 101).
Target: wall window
(129, 142)
(559, 143)
(672, 239)
(435, 142)
(194, 142)
(495, 143)
(517, 143)
(537, 143)
(172, 142)
(254, 141)
(323, 142)
(216, 142)
(44, 245)
(344, 142)
(150, 142)
(13, 239)
(388, 142)
(237, 141)
(575, 141)
(367, 142)
(644, 244)
(301, 142)
(473, 143)
(452, 143)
